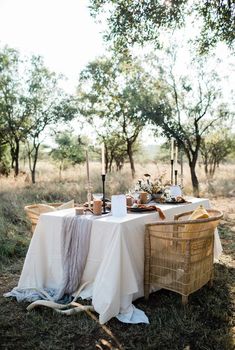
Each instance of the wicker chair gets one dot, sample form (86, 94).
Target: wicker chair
(179, 253)
(33, 211)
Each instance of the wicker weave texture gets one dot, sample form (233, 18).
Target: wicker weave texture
(179, 254)
(33, 211)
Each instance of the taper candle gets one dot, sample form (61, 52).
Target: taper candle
(102, 159)
(176, 155)
(87, 167)
(181, 169)
(172, 148)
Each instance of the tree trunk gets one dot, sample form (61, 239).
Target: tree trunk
(12, 159)
(16, 157)
(35, 159)
(110, 162)
(130, 155)
(33, 176)
(205, 164)
(194, 179)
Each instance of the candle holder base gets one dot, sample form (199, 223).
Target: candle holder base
(176, 174)
(172, 171)
(104, 204)
(89, 194)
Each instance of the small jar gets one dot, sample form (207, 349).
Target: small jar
(143, 197)
(97, 207)
(129, 201)
(79, 210)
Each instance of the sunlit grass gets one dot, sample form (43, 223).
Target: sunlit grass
(206, 323)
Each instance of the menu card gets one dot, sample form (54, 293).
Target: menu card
(118, 205)
(175, 191)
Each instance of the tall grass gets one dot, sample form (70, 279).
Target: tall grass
(206, 323)
(15, 193)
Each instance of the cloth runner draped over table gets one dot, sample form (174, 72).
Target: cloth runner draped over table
(115, 262)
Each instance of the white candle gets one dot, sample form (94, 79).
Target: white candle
(182, 169)
(176, 155)
(87, 167)
(172, 148)
(103, 159)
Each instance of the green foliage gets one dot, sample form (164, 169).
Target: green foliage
(69, 148)
(5, 164)
(132, 22)
(109, 92)
(185, 107)
(30, 102)
(218, 23)
(215, 148)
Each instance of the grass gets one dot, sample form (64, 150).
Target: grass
(206, 323)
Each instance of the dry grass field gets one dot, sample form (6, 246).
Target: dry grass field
(207, 323)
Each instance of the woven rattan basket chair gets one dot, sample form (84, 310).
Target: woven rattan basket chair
(179, 254)
(33, 211)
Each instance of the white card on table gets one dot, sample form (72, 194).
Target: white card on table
(118, 205)
(175, 191)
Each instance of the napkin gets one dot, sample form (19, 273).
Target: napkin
(199, 213)
(153, 207)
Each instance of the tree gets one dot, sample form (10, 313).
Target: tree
(214, 149)
(30, 101)
(70, 149)
(14, 111)
(115, 150)
(49, 107)
(107, 93)
(131, 22)
(186, 108)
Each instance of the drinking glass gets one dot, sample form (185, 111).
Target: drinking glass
(98, 196)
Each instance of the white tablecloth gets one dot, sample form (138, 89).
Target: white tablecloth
(115, 263)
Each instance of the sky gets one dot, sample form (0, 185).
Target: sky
(62, 31)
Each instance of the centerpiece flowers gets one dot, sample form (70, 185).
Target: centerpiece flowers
(156, 187)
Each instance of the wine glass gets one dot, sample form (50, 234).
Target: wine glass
(97, 196)
(136, 196)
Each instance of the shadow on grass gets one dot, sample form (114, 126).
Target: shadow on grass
(204, 324)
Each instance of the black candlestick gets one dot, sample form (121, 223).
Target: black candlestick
(103, 181)
(176, 177)
(172, 166)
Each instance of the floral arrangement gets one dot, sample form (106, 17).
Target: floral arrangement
(155, 186)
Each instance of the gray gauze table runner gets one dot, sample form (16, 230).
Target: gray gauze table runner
(75, 241)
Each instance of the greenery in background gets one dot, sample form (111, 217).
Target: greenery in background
(215, 148)
(69, 150)
(139, 22)
(184, 107)
(108, 94)
(120, 94)
(30, 101)
(5, 160)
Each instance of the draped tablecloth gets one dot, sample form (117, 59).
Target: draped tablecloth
(115, 262)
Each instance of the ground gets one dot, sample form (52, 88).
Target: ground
(206, 323)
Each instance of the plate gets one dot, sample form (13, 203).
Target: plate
(138, 210)
(173, 202)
